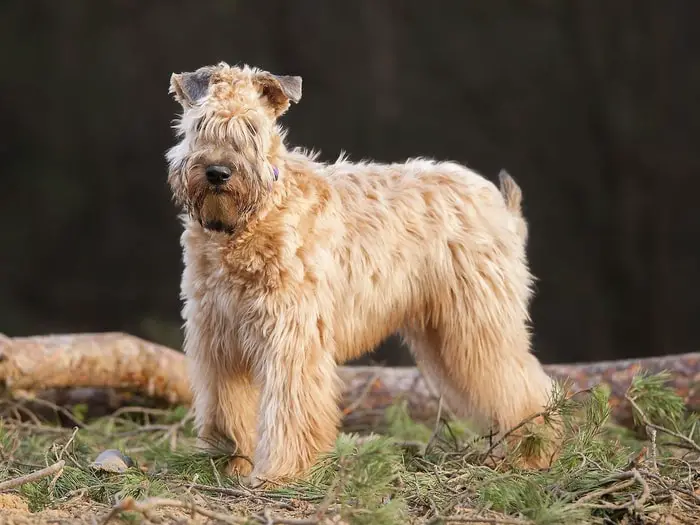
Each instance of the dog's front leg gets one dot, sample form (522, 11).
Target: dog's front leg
(225, 399)
(225, 409)
(299, 413)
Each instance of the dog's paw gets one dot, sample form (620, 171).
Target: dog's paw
(254, 482)
(239, 466)
(263, 480)
(548, 442)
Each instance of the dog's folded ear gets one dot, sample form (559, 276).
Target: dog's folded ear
(188, 88)
(279, 90)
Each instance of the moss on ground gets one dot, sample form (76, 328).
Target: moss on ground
(410, 474)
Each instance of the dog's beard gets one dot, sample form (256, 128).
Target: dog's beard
(218, 212)
(224, 211)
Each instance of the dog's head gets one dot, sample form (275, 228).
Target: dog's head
(223, 166)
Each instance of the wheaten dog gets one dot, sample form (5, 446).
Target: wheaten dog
(293, 266)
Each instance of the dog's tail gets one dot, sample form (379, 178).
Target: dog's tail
(512, 193)
(513, 196)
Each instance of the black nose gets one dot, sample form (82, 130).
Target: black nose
(218, 174)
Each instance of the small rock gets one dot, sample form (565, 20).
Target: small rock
(112, 460)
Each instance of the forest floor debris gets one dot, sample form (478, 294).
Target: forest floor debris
(401, 472)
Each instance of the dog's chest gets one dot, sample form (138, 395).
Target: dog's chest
(212, 295)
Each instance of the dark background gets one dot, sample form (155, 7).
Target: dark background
(593, 106)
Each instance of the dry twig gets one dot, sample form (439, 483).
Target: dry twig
(241, 493)
(635, 476)
(33, 476)
(145, 506)
(148, 505)
(65, 447)
(268, 519)
(464, 519)
(685, 439)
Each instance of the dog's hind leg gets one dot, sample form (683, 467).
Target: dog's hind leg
(424, 347)
(495, 380)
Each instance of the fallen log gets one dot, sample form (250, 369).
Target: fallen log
(125, 362)
(103, 360)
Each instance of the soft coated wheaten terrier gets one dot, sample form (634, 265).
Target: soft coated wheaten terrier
(293, 266)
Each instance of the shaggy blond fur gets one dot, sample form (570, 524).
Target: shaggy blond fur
(293, 266)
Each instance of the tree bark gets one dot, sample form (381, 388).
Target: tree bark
(124, 362)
